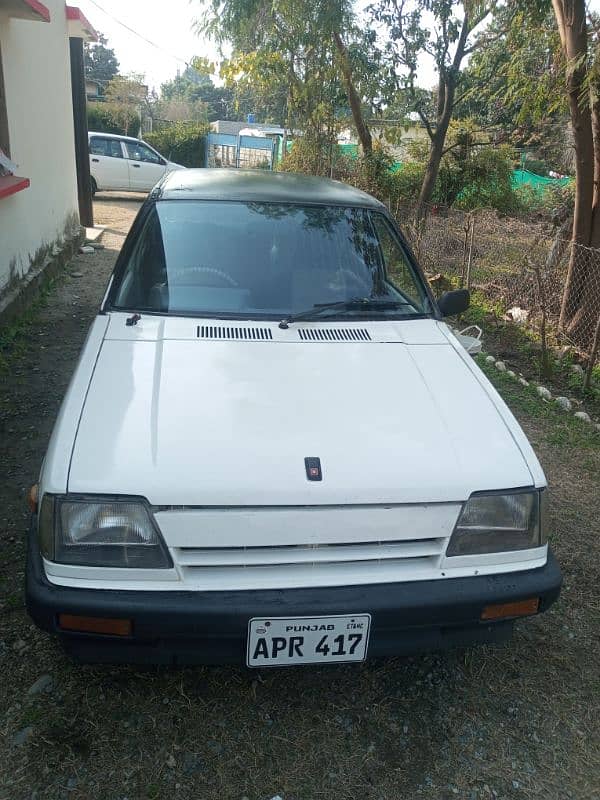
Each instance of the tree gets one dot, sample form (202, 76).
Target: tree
(100, 61)
(515, 85)
(314, 39)
(195, 89)
(448, 41)
(128, 97)
(581, 297)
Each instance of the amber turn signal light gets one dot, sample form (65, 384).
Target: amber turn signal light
(110, 627)
(32, 498)
(522, 608)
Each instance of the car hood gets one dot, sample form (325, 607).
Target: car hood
(185, 421)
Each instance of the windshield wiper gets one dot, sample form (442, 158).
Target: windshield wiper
(354, 304)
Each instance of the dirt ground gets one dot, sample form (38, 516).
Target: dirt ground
(514, 721)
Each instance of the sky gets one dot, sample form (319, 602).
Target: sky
(169, 26)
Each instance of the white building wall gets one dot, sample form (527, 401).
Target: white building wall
(37, 78)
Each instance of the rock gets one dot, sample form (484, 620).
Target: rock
(86, 248)
(171, 761)
(564, 351)
(490, 359)
(564, 403)
(516, 784)
(511, 374)
(501, 366)
(523, 382)
(577, 369)
(43, 684)
(597, 426)
(23, 736)
(19, 645)
(583, 416)
(516, 314)
(77, 274)
(544, 393)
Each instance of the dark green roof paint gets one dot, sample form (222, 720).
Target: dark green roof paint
(258, 186)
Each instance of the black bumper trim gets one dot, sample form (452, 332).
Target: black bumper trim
(210, 627)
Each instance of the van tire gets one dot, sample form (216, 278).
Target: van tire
(93, 186)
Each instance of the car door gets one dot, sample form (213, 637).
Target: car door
(107, 163)
(146, 166)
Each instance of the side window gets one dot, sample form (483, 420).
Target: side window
(397, 266)
(105, 147)
(136, 151)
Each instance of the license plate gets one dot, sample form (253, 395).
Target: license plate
(278, 641)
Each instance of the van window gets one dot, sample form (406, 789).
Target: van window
(105, 147)
(136, 151)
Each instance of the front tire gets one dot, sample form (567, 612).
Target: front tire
(93, 186)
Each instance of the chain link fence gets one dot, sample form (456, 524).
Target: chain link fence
(519, 267)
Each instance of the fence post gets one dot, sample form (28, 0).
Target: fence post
(594, 352)
(470, 255)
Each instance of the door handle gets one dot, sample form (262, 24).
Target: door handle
(137, 166)
(96, 160)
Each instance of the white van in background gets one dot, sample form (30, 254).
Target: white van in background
(122, 163)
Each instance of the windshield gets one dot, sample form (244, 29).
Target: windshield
(266, 260)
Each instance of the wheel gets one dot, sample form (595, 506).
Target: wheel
(94, 186)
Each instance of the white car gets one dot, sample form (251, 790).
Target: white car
(274, 450)
(122, 163)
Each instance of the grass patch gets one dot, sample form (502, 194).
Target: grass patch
(520, 347)
(564, 429)
(14, 335)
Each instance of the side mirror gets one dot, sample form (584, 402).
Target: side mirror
(451, 303)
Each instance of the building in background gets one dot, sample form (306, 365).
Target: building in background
(42, 87)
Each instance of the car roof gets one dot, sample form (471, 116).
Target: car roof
(260, 186)
(113, 136)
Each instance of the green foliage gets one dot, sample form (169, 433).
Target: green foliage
(126, 95)
(100, 62)
(184, 143)
(193, 95)
(406, 183)
(484, 180)
(108, 118)
(257, 81)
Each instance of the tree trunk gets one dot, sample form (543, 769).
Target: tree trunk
(572, 27)
(446, 92)
(362, 129)
(448, 77)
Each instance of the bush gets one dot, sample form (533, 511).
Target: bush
(108, 118)
(406, 183)
(182, 142)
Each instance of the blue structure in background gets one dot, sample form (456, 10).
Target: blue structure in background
(240, 152)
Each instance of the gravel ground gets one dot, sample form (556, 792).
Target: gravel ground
(514, 721)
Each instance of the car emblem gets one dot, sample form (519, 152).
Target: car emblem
(313, 468)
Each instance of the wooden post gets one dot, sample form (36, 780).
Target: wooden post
(82, 150)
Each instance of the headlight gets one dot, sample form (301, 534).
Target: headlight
(496, 523)
(100, 533)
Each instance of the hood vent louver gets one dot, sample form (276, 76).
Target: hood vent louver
(235, 333)
(334, 335)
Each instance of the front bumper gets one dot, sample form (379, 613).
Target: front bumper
(185, 627)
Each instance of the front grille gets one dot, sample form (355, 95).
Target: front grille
(313, 554)
(306, 564)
